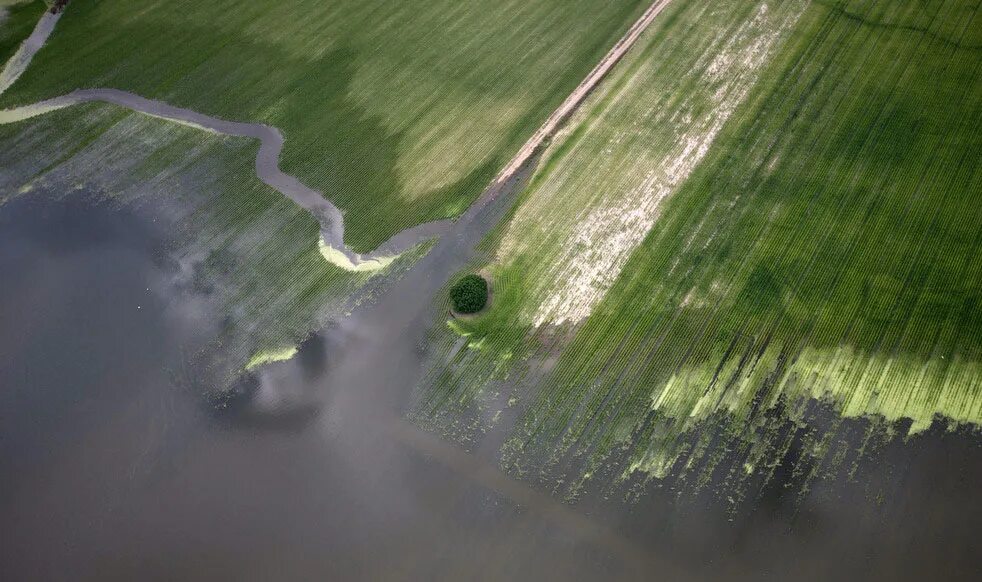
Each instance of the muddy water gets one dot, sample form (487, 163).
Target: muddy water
(113, 466)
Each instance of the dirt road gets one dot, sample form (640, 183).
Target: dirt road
(581, 92)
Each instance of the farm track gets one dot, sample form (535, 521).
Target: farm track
(271, 140)
(576, 98)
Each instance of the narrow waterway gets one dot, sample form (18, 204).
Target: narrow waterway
(267, 168)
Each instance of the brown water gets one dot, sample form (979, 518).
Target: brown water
(113, 466)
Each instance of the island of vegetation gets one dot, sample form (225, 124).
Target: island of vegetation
(469, 295)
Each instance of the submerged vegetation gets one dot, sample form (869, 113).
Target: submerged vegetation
(770, 203)
(251, 254)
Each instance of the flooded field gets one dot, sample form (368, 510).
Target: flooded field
(115, 465)
(730, 288)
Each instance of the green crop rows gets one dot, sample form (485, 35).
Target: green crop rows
(826, 244)
(16, 23)
(400, 111)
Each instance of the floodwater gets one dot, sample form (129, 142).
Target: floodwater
(114, 467)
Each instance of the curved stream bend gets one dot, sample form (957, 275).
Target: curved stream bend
(267, 169)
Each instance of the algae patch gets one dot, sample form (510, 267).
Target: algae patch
(342, 261)
(264, 357)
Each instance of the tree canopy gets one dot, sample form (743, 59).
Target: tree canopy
(469, 294)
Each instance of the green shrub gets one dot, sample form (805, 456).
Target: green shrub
(469, 295)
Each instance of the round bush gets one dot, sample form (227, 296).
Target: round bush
(469, 295)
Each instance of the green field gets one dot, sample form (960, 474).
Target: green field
(401, 112)
(729, 230)
(17, 20)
